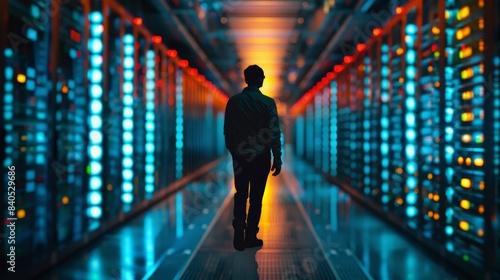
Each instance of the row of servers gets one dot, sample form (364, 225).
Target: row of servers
(98, 116)
(411, 123)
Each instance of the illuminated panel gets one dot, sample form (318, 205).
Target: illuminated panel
(410, 121)
(150, 121)
(384, 123)
(179, 124)
(325, 128)
(367, 98)
(355, 126)
(95, 77)
(375, 137)
(71, 111)
(430, 127)
(309, 132)
(317, 129)
(25, 118)
(344, 137)
(395, 71)
(128, 120)
(466, 196)
(333, 128)
(299, 136)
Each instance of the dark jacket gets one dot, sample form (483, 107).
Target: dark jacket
(251, 125)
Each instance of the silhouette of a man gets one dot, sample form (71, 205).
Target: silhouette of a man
(251, 129)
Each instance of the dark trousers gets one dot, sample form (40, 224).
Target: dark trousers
(247, 172)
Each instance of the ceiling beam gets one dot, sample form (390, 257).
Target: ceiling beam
(167, 12)
(361, 7)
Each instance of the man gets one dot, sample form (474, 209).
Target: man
(251, 129)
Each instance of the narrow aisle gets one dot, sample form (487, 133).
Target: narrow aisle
(290, 249)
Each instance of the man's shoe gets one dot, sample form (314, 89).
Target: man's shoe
(253, 242)
(239, 240)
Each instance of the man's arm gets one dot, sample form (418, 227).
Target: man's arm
(274, 125)
(228, 133)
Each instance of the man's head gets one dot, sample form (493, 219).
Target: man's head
(254, 75)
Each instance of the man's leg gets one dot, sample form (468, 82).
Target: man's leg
(258, 180)
(241, 182)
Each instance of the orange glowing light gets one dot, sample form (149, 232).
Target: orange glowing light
(137, 21)
(360, 47)
(64, 89)
(464, 225)
(183, 63)
(400, 10)
(172, 53)
(481, 209)
(377, 31)
(481, 185)
(465, 204)
(21, 78)
(478, 162)
(65, 200)
(348, 59)
(21, 213)
(193, 71)
(460, 160)
(436, 216)
(430, 213)
(436, 197)
(156, 39)
(468, 161)
(430, 196)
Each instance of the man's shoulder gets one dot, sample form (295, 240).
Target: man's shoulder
(267, 99)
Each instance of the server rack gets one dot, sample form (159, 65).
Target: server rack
(430, 117)
(91, 104)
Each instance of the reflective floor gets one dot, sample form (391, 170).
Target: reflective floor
(311, 230)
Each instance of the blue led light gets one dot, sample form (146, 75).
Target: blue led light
(95, 136)
(411, 56)
(128, 112)
(127, 174)
(410, 119)
(94, 197)
(8, 52)
(128, 75)
(411, 211)
(127, 162)
(95, 16)
(127, 198)
(127, 187)
(128, 124)
(411, 198)
(128, 50)
(95, 152)
(128, 100)
(95, 168)
(128, 137)
(128, 39)
(128, 62)
(95, 183)
(9, 73)
(95, 122)
(95, 91)
(95, 76)
(411, 135)
(96, 107)
(94, 212)
(127, 149)
(35, 11)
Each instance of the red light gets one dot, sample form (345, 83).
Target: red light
(338, 68)
(183, 63)
(193, 71)
(400, 10)
(137, 21)
(159, 83)
(75, 36)
(434, 47)
(330, 75)
(377, 31)
(348, 59)
(360, 47)
(156, 39)
(172, 53)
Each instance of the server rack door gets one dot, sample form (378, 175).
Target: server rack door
(25, 121)
(69, 107)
